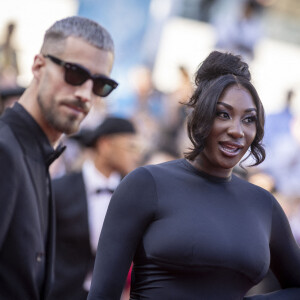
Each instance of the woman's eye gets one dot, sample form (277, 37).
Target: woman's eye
(250, 119)
(222, 114)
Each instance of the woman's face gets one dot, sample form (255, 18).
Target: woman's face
(232, 133)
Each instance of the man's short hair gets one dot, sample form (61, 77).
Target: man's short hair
(79, 27)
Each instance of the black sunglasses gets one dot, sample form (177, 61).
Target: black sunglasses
(77, 75)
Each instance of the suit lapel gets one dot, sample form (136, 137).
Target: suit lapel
(84, 207)
(37, 174)
(85, 217)
(50, 245)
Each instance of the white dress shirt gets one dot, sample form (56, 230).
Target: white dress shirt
(97, 202)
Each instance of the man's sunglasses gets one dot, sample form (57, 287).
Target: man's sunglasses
(77, 75)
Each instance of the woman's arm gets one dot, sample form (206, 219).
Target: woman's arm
(131, 209)
(285, 258)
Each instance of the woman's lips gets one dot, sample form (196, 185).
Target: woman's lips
(230, 149)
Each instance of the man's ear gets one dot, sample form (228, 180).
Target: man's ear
(38, 64)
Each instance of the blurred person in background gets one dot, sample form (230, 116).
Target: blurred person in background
(70, 73)
(158, 156)
(193, 229)
(9, 96)
(172, 133)
(9, 69)
(205, 9)
(283, 146)
(143, 105)
(240, 34)
(82, 199)
(10, 91)
(279, 124)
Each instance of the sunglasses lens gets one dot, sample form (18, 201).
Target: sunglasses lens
(75, 75)
(102, 88)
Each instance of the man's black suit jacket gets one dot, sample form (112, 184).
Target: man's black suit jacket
(26, 209)
(74, 258)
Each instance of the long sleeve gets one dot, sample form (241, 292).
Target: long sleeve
(8, 191)
(131, 209)
(285, 258)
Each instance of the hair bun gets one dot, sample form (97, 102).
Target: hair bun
(218, 64)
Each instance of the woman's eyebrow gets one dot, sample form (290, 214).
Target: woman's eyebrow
(228, 106)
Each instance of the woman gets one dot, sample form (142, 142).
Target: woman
(192, 228)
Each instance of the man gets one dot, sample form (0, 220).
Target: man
(57, 100)
(82, 199)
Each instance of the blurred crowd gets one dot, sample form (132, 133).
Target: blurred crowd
(9, 68)
(160, 117)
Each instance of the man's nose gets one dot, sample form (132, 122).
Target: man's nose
(85, 91)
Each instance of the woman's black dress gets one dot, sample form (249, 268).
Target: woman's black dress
(193, 236)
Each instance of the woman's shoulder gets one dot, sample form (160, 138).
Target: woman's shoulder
(164, 165)
(168, 168)
(154, 173)
(252, 190)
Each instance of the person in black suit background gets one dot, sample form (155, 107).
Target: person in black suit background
(58, 98)
(82, 199)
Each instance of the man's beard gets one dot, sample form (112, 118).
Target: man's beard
(67, 125)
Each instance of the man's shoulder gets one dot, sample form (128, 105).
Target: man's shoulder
(4, 126)
(11, 153)
(8, 140)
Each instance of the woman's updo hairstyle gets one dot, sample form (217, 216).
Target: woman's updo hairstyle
(216, 73)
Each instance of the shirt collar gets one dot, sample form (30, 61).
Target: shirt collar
(94, 179)
(36, 134)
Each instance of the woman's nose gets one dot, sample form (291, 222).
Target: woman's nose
(236, 129)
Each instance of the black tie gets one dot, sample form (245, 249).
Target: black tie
(104, 190)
